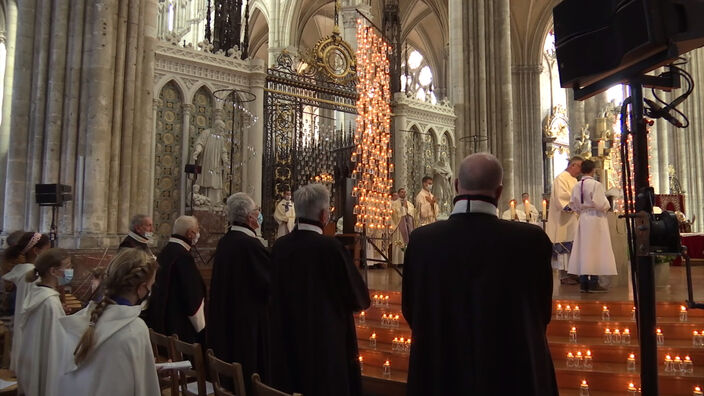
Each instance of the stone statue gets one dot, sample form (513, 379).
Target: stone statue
(214, 158)
(442, 184)
(582, 143)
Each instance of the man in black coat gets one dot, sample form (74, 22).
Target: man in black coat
(177, 302)
(315, 291)
(140, 234)
(477, 295)
(238, 324)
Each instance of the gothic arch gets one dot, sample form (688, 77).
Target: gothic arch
(259, 34)
(177, 82)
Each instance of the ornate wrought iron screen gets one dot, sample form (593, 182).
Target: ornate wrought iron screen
(309, 115)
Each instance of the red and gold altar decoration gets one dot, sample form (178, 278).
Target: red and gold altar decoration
(372, 156)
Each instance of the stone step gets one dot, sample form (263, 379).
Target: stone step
(619, 353)
(585, 328)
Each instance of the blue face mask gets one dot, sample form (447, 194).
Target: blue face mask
(260, 219)
(67, 277)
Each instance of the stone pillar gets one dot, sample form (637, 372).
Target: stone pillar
(188, 112)
(399, 140)
(528, 130)
(11, 15)
(252, 181)
(480, 69)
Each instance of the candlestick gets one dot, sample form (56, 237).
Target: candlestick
(407, 347)
(526, 209)
(372, 341)
(631, 362)
(607, 336)
(668, 364)
(688, 365)
(626, 336)
(375, 300)
(386, 301)
(573, 335)
(512, 204)
(384, 320)
(387, 368)
(362, 317)
(697, 391)
(588, 362)
(394, 344)
(570, 360)
(558, 312)
(632, 390)
(584, 388)
(395, 321)
(578, 359)
(605, 313)
(568, 312)
(633, 313)
(361, 363)
(545, 209)
(576, 313)
(695, 338)
(660, 337)
(600, 148)
(683, 313)
(677, 364)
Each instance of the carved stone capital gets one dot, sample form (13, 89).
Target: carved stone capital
(189, 109)
(156, 103)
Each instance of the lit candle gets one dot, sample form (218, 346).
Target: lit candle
(361, 363)
(387, 368)
(695, 338)
(688, 365)
(631, 362)
(512, 204)
(600, 148)
(394, 344)
(573, 335)
(668, 363)
(526, 209)
(558, 311)
(570, 360)
(607, 336)
(632, 389)
(578, 359)
(568, 312)
(660, 337)
(626, 337)
(584, 388)
(545, 209)
(588, 359)
(633, 313)
(697, 391)
(605, 313)
(362, 317)
(617, 336)
(683, 313)
(372, 340)
(677, 364)
(576, 312)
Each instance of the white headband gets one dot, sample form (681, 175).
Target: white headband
(35, 238)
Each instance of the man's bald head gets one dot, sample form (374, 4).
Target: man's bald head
(480, 173)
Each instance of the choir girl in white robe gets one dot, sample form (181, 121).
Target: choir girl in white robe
(112, 355)
(22, 255)
(38, 360)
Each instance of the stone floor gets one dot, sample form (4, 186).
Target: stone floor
(672, 286)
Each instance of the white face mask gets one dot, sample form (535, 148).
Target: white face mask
(196, 238)
(429, 187)
(148, 235)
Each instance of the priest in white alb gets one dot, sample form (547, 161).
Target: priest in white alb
(285, 215)
(592, 254)
(426, 204)
(402, 215)
(562, 221)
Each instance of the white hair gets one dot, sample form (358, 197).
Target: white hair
(310, 200)
(183, 224)
(239, 206)
(137, 220)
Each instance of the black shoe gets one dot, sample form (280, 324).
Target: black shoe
(583, 290)
(598, 289)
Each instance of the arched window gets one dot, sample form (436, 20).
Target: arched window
(417, 78)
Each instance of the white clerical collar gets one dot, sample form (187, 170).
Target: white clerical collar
(475, 207)
(310, 227)
(181, 242)
(138, 237)
(244, 230)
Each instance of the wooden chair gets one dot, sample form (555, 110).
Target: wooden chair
(194, 353)
(163, 349)
(6, 337)
(233, 370)
(261, 389)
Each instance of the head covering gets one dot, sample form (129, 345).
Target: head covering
(32, 242)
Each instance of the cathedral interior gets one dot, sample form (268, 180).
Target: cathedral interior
(116, 101)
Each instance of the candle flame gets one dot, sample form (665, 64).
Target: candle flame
(617, 331)
(569, 354)
(683, 308)
(678, 359)
(387, 363)
(589, 353)
(605, 308)
(559, 306)
(626, 331)
(373, 335)
(574, 329)
(607, 330)
(697, 388)
(668, 357)
(584, 382)
(687, 358)
(658, 331)
(576, 307)
(632, 356)
(579, 353)
(361, 359)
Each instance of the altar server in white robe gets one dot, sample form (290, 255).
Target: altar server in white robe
(285, 215)
(591, 252)
(562, 222)
(39, 359)
(402, 215)
(112, 355)
(22, 254)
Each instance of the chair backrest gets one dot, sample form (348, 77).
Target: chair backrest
(163, 349)
(261, 389)
(220, 368)
(194, 353)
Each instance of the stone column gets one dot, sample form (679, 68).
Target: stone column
(399, 140)
(480, 69)
(188, 111)
(254, 137)
(528, 130)
(11, 15)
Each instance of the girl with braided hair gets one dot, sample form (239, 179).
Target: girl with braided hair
(41, 345)
(112, 354)
(20, 255)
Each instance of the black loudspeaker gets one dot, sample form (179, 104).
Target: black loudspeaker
(597, 40)
(52, 194)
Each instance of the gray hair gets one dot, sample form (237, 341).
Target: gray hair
(574, 159)
(183, 224)
(239, 206)
(310, 200)
(137, 221)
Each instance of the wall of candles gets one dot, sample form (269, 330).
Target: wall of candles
(372, 156)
